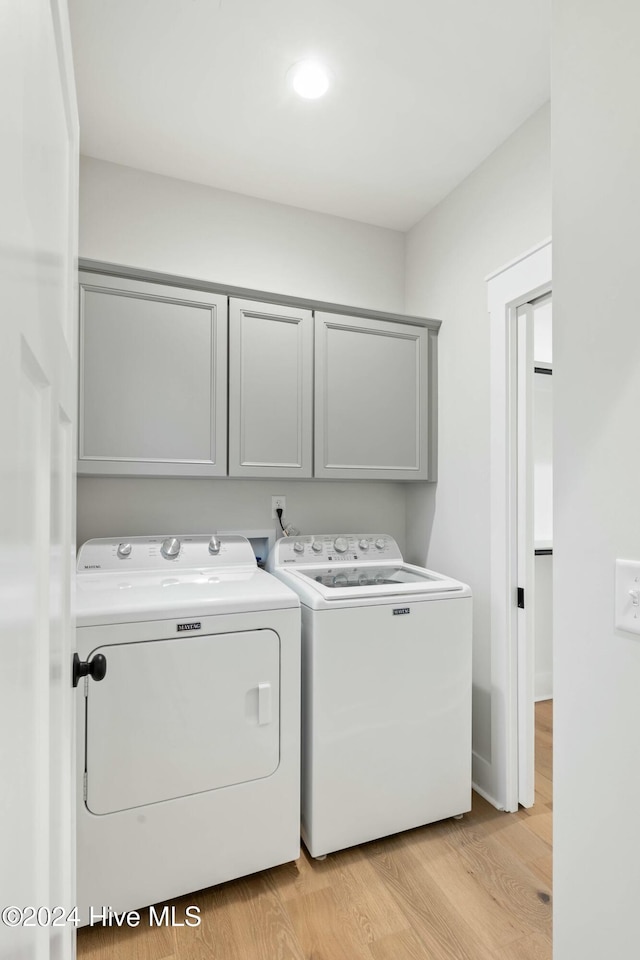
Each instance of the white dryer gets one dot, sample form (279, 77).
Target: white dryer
(188, 748)
(386, 689)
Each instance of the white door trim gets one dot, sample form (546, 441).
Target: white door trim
(523, 279)
(525, 546)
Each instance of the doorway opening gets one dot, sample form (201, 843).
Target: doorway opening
(515, 293)
(534, 528)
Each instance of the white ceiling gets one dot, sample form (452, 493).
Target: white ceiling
(423, 91)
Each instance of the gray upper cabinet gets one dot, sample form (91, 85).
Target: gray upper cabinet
(305, 389)
(375, 399)
(270, 390)
(153, 379)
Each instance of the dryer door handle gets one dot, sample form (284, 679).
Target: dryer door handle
(264, 704)
(95, 668)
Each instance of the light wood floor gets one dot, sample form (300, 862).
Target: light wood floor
(475, 889)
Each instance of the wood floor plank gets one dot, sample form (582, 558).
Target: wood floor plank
(505, 877)
(442, 928)
(543, 868)
(544, 715)
(259, 924)
(324, 930)
(126, 943)
(546, 770)
(369, 905)
(542, 825)
(215, 937)
(358, 898)
(535, 947)
(488, 921)
(405, 945)
(544, 789)
(524, 843)
(242, 919)
(304, 876)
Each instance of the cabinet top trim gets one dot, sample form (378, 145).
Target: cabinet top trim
(245, 293)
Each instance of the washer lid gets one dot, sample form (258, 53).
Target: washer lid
(341, 582)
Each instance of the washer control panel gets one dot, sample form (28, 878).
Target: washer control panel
(335, 548)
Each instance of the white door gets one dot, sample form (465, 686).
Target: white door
(38, 200)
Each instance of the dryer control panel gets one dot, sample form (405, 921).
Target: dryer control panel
(165, 552)
(320, 549)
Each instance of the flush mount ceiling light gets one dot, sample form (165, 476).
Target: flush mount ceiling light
(309, 79)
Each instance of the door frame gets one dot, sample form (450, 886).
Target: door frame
(510, 287)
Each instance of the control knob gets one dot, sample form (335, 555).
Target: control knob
(340, 580)
(214, 546)
(124, 550)
(341, 544)
(298, 546)
(170, 548)
(316, 546)
(363, 544)
(380, 544)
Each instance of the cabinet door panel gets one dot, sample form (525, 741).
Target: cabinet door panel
(153, 380)
(372, 399)
(270, 390)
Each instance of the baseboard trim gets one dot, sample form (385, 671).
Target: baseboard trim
(543, 686)
(487, 796)
(482, 779)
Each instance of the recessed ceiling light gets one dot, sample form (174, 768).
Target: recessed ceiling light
(309, 79)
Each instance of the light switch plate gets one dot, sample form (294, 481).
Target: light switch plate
(628, 595)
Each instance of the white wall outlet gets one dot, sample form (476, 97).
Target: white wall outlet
(628, 595)
(278, 503)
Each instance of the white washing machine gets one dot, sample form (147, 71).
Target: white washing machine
(386, 689)
(188, 747)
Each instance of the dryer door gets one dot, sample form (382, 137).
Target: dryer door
(182, 716)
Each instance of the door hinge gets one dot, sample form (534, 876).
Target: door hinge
(521, 597)
(84, 787)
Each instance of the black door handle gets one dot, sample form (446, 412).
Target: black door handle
(96, 668)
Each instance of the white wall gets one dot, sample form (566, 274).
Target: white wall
(134, 506)
(596, 354)
(501, 210)
(144, 220)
